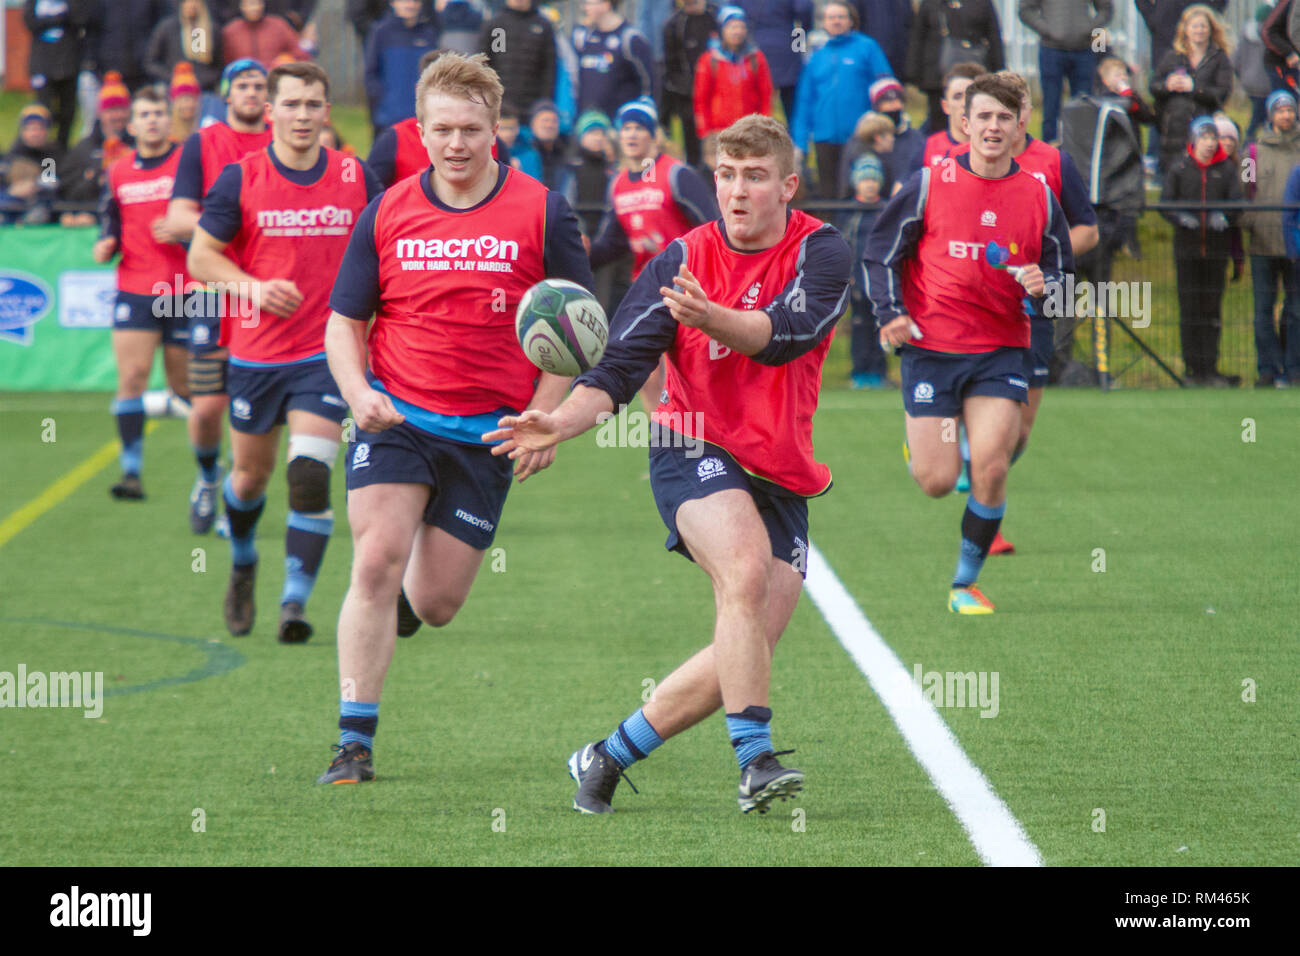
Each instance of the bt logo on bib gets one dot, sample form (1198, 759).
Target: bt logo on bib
(717, 350)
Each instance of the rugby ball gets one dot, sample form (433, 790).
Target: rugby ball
(561, 327)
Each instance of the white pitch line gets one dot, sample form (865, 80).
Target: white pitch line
(997, 836)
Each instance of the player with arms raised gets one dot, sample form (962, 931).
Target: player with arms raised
(942, 266)
(743, 308)
(441, 262)
(205, 154)
(135, 205)
(273, 225)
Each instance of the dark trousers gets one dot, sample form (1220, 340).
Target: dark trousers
(1055, 68)
(787, 104)
(675, 104)
(828, 168)
(1277, 354)
(60, 98)
(864, 338)
(1200, 318)
(934, 110)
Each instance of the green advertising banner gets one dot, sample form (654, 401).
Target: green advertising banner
(56, 310)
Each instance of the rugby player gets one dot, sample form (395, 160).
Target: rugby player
(273, 225)
(1048, 165)
(205, 154)
(653, 200)
(941, 144)
(441, 261)
(942, 265)
(136, 196)
(743, 309)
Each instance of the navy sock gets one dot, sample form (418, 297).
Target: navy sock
(129, 413)
(357, 723)
(979, 525)
(304, 547)
(243, 517)
(751, 733)
(207, 459)
(632, 740)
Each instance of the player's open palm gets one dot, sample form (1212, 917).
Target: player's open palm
(528, 432)
(373, 411)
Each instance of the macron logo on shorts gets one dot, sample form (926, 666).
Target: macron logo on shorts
(361, 457)
(923, 394)
(710, 468)
(1018, 383)
(333, 400)
(475, 520)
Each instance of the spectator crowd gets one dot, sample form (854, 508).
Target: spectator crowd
(836, 71)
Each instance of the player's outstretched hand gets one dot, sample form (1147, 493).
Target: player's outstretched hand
(279, 297)
(686, 300)
(898, 331)
(532, 462)
(104, 249)
(373, 411)
(529, 433)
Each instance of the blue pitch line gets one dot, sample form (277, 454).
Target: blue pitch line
(221, 658)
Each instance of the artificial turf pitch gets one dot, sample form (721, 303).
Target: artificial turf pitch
(1120, 690)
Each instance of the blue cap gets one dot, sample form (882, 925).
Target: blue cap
(729, 12)
(234, 68)
(868, 166)
(1278, 98)
(1202, 121)
(640, 110)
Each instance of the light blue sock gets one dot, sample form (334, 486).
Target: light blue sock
(632, 740)
(751, 733)
(358, 721)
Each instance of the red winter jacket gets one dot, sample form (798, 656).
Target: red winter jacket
(726, 91)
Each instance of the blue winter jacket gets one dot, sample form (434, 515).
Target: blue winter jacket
(833, 90)
(393, 52)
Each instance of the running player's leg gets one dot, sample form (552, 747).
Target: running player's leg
(439, 575)
(723, 525)
(384, 519)
(313, 448)
(252, 460)
(993, 427)
(133, 351)
(470, 486)
(1029, 414)
(176, 362)
(931, 384)
(206, 378)
(692, 692)
(936, 457)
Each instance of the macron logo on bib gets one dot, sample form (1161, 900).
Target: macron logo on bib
(323, 221)
(483, 254)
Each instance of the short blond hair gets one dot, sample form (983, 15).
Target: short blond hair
(870, 125)
(755, 136)
(466, 77)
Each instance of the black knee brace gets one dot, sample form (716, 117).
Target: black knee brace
(309, 485)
